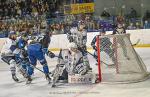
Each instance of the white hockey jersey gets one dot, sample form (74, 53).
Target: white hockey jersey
(73, 33)
(79, 37)
(82, 38)
(9, 47)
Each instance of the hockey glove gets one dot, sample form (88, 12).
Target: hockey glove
(24, 53)
(50, 54)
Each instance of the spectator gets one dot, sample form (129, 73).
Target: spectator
(133, 13)
(146, 16)
(120, 19)
(105, 14)
(11, 30)
(147, 25)
(131, 27)
(138, 26)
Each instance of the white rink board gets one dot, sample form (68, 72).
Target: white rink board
(61, 41)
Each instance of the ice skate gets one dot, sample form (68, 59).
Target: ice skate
(15, 78)
(29, 80)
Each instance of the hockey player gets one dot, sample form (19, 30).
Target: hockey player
(70, 62)
(82, 39)
(105, 46)
(8, 54)
(120, 29)
(78, 35)
(23, 57)
(34, 50)
(44, 39)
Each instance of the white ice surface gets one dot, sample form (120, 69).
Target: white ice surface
(40, 87)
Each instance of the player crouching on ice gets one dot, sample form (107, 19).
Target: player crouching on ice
(70, 62)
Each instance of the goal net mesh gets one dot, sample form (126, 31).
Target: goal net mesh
(118, 60)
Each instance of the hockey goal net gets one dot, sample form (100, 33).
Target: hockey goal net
(118, 60)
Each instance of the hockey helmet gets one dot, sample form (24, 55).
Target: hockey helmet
(74, 24)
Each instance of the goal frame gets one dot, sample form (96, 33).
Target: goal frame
(114, 43)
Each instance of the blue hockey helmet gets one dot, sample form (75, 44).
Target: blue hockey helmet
(74, 24)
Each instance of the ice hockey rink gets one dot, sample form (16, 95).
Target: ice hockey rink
(41, 88)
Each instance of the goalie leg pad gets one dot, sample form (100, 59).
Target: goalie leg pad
(57, 73)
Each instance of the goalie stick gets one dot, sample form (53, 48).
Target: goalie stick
(37, 68)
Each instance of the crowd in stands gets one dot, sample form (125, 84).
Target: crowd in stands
(27, 8)
(131, 20)
(36, 15)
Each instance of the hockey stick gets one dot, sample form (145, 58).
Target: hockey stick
(37, 68)
(94, 58)
(30, 65)
(40, 69)
(136, 42)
